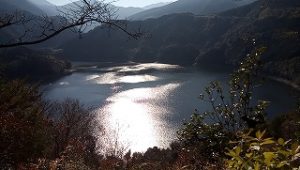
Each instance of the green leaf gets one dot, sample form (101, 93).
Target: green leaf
(238, 150)
(260, 134)
(281, 164)
(248, 155)
(281, 141)
(269, 156)
(267, 142)
(231, 153)
(284, 153)
(295, 148)
(256, 166)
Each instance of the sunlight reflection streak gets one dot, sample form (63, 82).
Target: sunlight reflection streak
(136, 112)
(113, 78)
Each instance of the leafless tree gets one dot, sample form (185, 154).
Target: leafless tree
(76, 17)
(72, 122)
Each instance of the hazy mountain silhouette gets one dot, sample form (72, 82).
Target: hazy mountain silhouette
(36, 8)
(120, 12)
(125, 12)
(198, 7)
(156, 5)
(24, 5)
(33, 9)
(47, 7)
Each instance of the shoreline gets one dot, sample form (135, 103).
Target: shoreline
(285, 81)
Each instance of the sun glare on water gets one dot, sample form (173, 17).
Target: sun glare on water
(135, 119)
(133, 108)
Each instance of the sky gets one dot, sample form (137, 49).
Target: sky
(124, 3)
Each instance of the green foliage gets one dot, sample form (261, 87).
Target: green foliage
(231, 112)
(203, 138)
(260, 152)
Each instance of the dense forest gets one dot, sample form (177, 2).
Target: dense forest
(258, 40)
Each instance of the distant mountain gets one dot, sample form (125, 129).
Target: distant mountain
(197, 7)
(36, 8)
(45, 6)
(125, 12)
(42, 7)
(207, 41)
(24, 5)
(41, 2)
(156, 5)
(31, 9)
(120, 12)
(24, 62)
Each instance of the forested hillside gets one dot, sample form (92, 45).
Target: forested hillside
(188, 39)
(24, 63)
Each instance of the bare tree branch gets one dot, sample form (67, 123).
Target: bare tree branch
(78, 16)
(8, 19)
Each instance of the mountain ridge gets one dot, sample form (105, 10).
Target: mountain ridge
(24, 5)
(197, 7)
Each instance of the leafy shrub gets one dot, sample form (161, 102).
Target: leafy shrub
(201, 138)
(210, 132)
(260, 152)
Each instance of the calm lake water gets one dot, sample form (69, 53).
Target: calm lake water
(143, 105)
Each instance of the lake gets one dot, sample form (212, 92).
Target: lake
(143, 105)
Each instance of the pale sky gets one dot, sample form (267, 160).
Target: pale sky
(124, 3)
